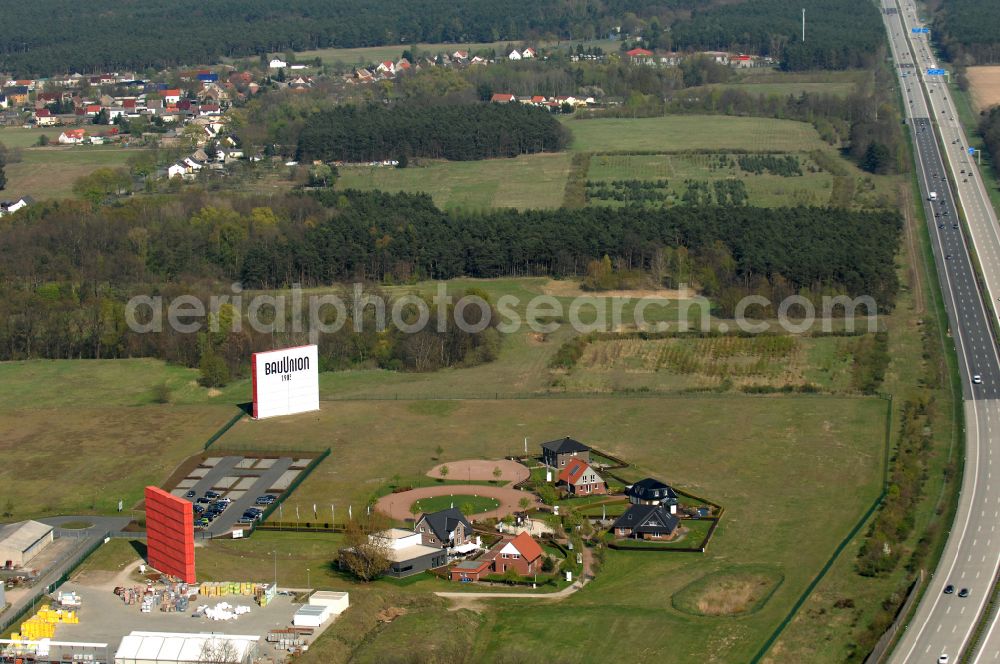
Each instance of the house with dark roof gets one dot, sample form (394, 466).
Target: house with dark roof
(558, 453)
(648, 522)
(579, 479)
(446, 528)
(651, 491)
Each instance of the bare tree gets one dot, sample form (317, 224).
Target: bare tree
(366, 555)
(220, 651)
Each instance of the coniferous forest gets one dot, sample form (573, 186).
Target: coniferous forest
(460, 132)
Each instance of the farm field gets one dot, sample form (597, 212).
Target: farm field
(813, 187)
(527, 181)
(984, 86)
(832, 446)
(539, 181)
(50, 172)
(693, 132)
(773, 82)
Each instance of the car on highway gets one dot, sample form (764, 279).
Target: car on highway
(940, 225)
(949, 589)
(947, 257)
(943, 659)
(964, 592)
(955, 226)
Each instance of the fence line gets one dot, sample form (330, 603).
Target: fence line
(882, 647)
(77, 557)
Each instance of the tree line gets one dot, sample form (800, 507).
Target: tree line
(67, 267)
(50, 36)
(839, 35)
(968, 31)
(456, 132)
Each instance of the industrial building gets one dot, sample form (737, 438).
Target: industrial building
(178, 648)
(20, 542)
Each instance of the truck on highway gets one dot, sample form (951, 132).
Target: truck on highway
(932, 196)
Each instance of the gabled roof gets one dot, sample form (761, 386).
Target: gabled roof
(574, 470)
(23, 535)
(638, 53)
(527, 547)
(500, 96)
(443, 522)
(565, 446)
(651, 489)
(652, 519)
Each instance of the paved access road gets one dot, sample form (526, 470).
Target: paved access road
(963, 228)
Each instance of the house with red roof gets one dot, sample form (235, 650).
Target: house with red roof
(171, 96)
(522, 554)
(386, 67)
(72, 136)
(578, 478)
(502, 98)
(640, 56)
(528, 53)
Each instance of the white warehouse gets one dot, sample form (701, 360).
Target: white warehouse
(177, 648)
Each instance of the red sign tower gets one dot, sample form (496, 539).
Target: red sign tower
(170, 534)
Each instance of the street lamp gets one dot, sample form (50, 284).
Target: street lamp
(275, 552)
(308, 580)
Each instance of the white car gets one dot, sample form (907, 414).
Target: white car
(943, 659)
(977, 379)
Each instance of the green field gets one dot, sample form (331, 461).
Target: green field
(527, 181)
(50, 172)
(468, 504)
(783, 84)
(83, 459)
(19, 137)
(693, 132)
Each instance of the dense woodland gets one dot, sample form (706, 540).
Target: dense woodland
(457, 132)
(989, 129)
(52, 35)
(839, 35)
(38, 38)
(66, 268)
(968, 31)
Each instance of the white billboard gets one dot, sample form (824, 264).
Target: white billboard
(285, 381)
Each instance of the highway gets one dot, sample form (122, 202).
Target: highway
(944, 622)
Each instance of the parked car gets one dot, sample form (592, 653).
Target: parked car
(203, 501)
(190, 494)
(211, 494)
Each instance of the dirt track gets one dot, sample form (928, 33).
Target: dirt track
(482, 469)
(397, 505)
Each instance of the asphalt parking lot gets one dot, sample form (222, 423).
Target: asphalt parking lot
(241, 479)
